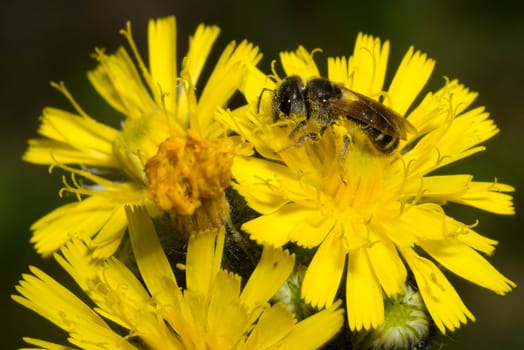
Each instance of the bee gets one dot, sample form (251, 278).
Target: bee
(325, 102)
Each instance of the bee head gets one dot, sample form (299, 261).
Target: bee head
(289, 98)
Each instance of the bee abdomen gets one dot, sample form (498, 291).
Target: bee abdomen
(382, 142)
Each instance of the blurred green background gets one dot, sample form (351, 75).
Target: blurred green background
(479, 42)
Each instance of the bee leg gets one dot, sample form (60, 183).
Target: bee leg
(347, 140)
(346, 143)
(310, 136)
(297, 128)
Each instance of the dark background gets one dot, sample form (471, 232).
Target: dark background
(479, 42)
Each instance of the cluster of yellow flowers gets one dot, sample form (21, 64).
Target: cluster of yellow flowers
(241, 237)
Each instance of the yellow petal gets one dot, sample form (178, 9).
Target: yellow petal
(274, 324)
(162, 60)
(107, 241)
(79, 219)
(253, 85)
(468, 264)
(365, 303)
(411, 76)
(118, 81)
(424, 221)
(467, 131)
(387, 266)
(477, 241)
(151, 260)
(461, 189)
(226, 318)
(456, 97)
(259, 181)
(103, 281)
(299, 63)
(42, 294)
(488, 196)
(226, 289)
(72, 139)
(427, 114)
(323, 275)
(368, 65)
(272, 271)
(45, 152)
(106, 291)
(442, 301)
(225, 79)
(283, 181)
(436, 109)
(316, 330)
(275, 228)
(338, 70)
(438, 187)
(312, 229)
(45, 345)
(204, 255)
(75, 258)
(200, 45)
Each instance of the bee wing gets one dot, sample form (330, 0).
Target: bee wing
(371, 113)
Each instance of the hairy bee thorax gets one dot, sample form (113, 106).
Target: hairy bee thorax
(318, 94)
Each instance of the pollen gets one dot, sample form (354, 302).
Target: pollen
(187, 170)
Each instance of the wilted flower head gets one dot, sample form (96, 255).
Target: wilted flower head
(169, 155)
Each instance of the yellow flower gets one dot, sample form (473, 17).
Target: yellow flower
(212, 312)
(161, 111)
(375, 212)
